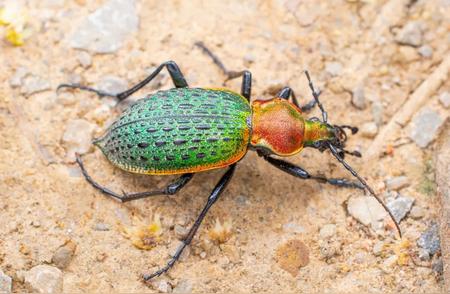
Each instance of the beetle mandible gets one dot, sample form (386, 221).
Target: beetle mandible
(187, 130)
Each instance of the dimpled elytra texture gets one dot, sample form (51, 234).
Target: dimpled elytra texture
(179, 130)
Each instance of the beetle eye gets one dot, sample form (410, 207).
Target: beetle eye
(317, 144)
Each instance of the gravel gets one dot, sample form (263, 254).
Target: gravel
(411, 34)
(107, 28)
(444, 98)
(163, 286)
(77, 137)
(5, 283)
(400, 207)
(293, 228)
(17, 78)
(101, 227)
(369, 129)
(327, 231)
(85, 59)
(64, 254)
(366, 210)
(44, 279)
(378, 248)
(417, 213)
(429, 240)
(112, 84)
(359, 97)
(397, 183)
(425, 127)
(425, 51)
(32, 84)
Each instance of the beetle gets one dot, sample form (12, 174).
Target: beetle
(188, 130)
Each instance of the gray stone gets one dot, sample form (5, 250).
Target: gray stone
(378, 248)
(85, 59)
(64, 254)
(425, 126)
(184, 286)
(359, 97)
(180, 231)
(377, 112)
(32, 84)
(333, 68)
(241, 200)
(101, 227)
(425, 51)
(397, 183)
(438, 266)
(77, 137)
(429, 240)
(369, 129)
(417, 212)
(400, 207)
(328, 231)
(5, 283)
(444, 98)
(16, 79)
(44, 279)
(112, 84)
(163, 286)
(424, 255)
(105, 30)
(293, 228)
(411, 34)
(366, 210)
(249, 59)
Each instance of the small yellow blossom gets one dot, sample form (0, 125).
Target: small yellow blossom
(143, 236)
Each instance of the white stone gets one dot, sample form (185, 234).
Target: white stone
(327, 231)
(369, 129)
(5, 283)
(77, 137)
(425, 127)
(44, 279)
(366, 210)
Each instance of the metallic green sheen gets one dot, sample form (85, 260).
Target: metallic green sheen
(179, 130)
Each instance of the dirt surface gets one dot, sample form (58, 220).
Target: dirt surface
(351, 49)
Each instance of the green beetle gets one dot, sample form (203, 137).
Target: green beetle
(187, 130)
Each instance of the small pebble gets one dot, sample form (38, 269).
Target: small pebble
(417, 212)
(425, 51)
(32, 84)
(444, 98)
(106, 29)
(438, 266)
(44, 279)
(112, 84)
(180, 231)
(5, 283)
(328, 249)
(18, 76)
(293, 228)
(429, 240)
(77, 137)
(333, 68)
(203, 255)
(66, 98)
(85, 59)
(377, 112)
(390, 262)
(241, 200)
(424, 255)
(425, 127)
(369, 129)
(366, 210)
(101, 227)
(184, 286)
(358, 97)
(249, 59)
(407, 54)
(64, 254)
(328, 231)
(163, 286)
(101, 257)
(397, 183)
(411, 34)
(378, 248)
(400, 206)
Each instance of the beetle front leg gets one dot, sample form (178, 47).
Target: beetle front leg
(173, 69)
(215, 194)
(298, 172)
(171, 189)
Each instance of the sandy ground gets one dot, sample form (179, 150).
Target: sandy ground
(46, 202)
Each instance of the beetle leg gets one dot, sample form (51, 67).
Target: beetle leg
(287, 93)
(173, 69)
(231, 74)
(298, 172)
(171, 189)
(215, 194)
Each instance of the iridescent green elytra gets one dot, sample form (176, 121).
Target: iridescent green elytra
(179, 130)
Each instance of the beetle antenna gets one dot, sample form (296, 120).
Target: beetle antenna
(335, 152)
(316, 97)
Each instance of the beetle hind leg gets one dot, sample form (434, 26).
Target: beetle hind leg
(215, 194)
(173, 69)
(171, 189)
